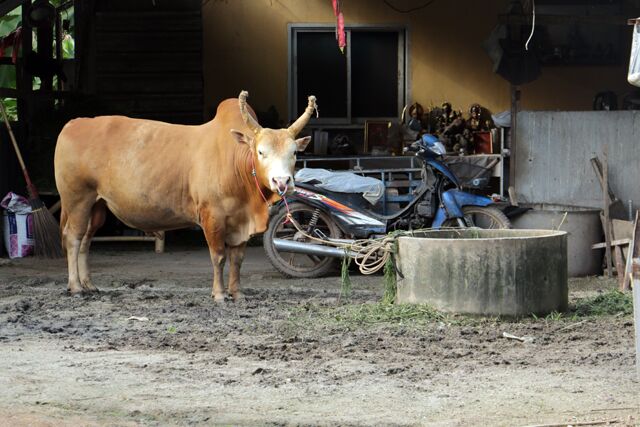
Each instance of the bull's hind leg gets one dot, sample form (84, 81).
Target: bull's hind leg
(236, 256)
(98, 216)
(78, 214)
(214, 233)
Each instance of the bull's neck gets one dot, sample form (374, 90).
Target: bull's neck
(246, 170)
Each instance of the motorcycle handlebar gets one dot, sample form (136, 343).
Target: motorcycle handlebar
(414, 147)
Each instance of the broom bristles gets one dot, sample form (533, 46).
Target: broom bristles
(46, 231)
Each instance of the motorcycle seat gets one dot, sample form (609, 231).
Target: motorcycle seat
(352, 200)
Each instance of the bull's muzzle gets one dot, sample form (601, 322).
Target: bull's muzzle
(282, 184)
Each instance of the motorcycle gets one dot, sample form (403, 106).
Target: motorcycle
(296, 249)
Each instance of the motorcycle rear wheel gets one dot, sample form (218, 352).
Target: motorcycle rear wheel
(293, 264)
(481, 216)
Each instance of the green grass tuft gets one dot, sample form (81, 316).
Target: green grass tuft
(383, 313)
(390, 285)
(608, 303)
(346, 290)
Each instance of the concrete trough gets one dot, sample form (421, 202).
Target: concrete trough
(485, 272)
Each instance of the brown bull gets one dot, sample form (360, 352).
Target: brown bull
(157, 176)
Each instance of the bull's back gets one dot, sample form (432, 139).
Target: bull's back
(139, 167)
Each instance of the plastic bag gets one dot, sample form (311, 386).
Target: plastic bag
(634, 62)
(15, 203)
(343, 182)
(17, 226)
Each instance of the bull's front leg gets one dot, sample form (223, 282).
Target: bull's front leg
(214, 233)
(236, 256)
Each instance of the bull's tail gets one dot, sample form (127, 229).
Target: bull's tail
(63, 223)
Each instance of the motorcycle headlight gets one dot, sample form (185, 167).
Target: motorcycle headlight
(438, 148)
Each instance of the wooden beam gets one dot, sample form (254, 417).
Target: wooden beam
(124, 239)
(157, 238)
(8, 5)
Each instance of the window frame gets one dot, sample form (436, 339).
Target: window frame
(292, 82)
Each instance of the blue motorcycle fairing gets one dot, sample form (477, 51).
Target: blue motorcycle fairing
(444, 170)
(453, 201)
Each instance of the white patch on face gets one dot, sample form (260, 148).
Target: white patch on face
(279, 166)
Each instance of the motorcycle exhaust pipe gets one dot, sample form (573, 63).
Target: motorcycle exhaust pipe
(309, 248)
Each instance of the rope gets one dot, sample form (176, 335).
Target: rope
(370, 255)
(533, 24)
(255, 178)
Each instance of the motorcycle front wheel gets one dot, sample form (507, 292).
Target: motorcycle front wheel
(313, 222)
(481, 217)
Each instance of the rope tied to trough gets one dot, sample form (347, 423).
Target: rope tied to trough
(370, 255)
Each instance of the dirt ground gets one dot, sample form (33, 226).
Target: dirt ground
(292, 354)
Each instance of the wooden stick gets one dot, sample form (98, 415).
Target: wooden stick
(573, 325)
(619, 242)
(614, 409)
(607, 220)
(634, 248)
(12, 137)
(636, 307)
(55, 207)
(597, 168)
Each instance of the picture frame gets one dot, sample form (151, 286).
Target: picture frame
(375, 134)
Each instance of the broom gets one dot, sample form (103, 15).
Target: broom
(46, 228)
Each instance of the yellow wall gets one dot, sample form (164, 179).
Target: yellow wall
(245, 47)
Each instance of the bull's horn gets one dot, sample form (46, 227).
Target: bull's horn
(248, 118)
(302, 121)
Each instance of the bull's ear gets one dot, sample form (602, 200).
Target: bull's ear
(242, 138)
(303, 142)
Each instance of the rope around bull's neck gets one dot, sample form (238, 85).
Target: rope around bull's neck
(255, 179)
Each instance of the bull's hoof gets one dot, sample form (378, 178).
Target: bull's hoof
(74, 287)
(238, 297)
(88, 287)
(219, 299)
(92, 290)
(78, 291)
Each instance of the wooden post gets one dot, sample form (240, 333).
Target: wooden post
(620, 270)
(160, 242)
(23, 79)
(607, 220)
(636, 309)
(515, 106)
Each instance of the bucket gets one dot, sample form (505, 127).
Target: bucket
(583, 226)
